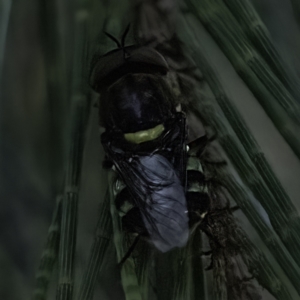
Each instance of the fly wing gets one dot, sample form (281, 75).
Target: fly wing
(164, 210)
(157, 191)
(154, 173)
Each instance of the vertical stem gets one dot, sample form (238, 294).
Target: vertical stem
(257, 264)
(257, 32)
(250, 145)
(271, 93)
(128, 269)
(183, 288)
(269, 238)
(79, 110)
(5, 11)
(97, 255)
(248, 160)
(70, 203)
(252, 178)
(49, 255)
(57, 83)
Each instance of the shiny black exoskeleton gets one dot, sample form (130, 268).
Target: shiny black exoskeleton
(136, 101)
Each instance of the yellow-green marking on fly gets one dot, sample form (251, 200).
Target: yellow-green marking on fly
(145, 135)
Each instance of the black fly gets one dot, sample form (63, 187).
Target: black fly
(145, 141)
(169, 193)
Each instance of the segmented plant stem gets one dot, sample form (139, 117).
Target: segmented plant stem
(101, 241)
(5, 13)
(144, 266)
(257, 32)
(191, 283)
(271, 93)
(284, 203)
(244, 165)
(57, 85)
(249, 161)
(226, 238)
(79, 116)
(269, 238)
(128, 272)
(70, 203)
(49, 255)
(212, 117)
(262, 269)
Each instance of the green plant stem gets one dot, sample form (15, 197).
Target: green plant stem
(79, 116)
(251, 177)
(49, 255)
(70, 203)
(257, 32)
(128, 270)
(273, 96)
(183, 288)
(258, 265)
(253, 150)
(278, 205)
(58, 86)
(255, 260)
(97, 255)
(5, 13)
(268, 237)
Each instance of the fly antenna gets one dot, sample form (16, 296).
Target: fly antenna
(114, 39)
(124, 35)
(122, 44)
(130, 250)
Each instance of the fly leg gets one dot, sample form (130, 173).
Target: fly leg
(130, 250)
(227, 263)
